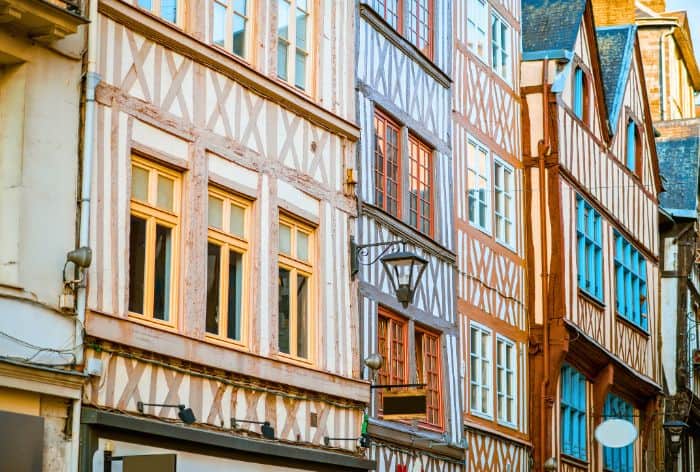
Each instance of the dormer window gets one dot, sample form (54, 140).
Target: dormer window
(580, 98)
(632, 156)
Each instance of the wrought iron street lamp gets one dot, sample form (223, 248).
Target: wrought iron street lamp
(675, 430)
(403, 268)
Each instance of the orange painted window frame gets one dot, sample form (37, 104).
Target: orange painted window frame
(420, 175)
(414, 35)
(429, 370)
(394, 18)
(394, 351)
(382, 179)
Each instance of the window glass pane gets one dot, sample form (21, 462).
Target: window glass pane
(283, 311)
(219, 24)
(215, 210)
(145, 4)
(285, 242)
(237, 220)
(165, 193)
(213, 284)
(239, 24)
(301, 20)
(302, 315)
(168, 10)
(137, 263)
(282, 48)
(235, 294)
(161, 288)
(300, 70)
(302, 246)
(283, 19)
(240, 7)
(139, 183)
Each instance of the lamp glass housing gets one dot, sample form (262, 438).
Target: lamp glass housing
(404, 270)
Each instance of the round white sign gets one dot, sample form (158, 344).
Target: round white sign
(616, 432)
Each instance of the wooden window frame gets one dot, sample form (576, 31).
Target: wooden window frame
(395, 21)
(431, 390)
(512, 386)
(630, 266)
(386, 374)
(415, 144)
(296, 267)
(589, 241)
(580, 95)
(481, 358)
(636, 152)
(508, 198)
(573, 413)
(228, 242)
(479, 149)
(503, 49)
(230, 13)
(622, 458)
(156, 6)
(154, 216)
(292, 46)
(385, 181)
(413, 34)
(480, 24)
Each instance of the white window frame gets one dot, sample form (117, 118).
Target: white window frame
(486, 226)
(230, 14)
(478, 22)
(507, 73)
(503, 368)
(293, 46)
(475, 377)
(497, 192)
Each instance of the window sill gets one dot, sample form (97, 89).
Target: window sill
(574, 461)
(592, 299)
(483, 229)
(505, 424)
(632, 326)
(483, 416)
(294, 360)
(226, 342)
(508, 246)
(152, 322)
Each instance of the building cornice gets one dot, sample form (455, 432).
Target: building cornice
(42, 379)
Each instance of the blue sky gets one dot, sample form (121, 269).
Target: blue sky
(693, 9)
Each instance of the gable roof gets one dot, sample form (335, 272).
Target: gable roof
(679, 159)
(550, 28)
(615, 50)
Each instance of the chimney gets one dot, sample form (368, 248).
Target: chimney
(615, 12)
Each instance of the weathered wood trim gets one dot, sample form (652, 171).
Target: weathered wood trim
(411, 236)
(174, 38)
(370, 291)
(209, 439)
(513, 436)
(405, 435)
(186, 348)
(378, 23)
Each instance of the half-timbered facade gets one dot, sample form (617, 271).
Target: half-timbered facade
(592, 243)
(405, 179)
(222, 210)
(490, 283)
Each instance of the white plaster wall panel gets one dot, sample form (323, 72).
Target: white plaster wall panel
(233, 172)
(289, 193)
(159, 140)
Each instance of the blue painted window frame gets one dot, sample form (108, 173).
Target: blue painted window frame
(618, 459)
(578, 93)
(573, 413)
(630, 283)
(589, 234)
(631, 153)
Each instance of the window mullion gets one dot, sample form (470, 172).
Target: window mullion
(292, 45)
(223, 290)
(293, 311)
(150, 262)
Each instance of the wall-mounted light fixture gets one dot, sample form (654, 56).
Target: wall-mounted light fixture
(675, 430)
(81, 259)
(185, 414)
(403, 268)
(267, 431)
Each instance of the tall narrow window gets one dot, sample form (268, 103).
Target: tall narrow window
(632, 153)
(391, 10)
(295, 294)
(166, 9)
(619, 459)
(478, 184)
(420, 179)
(428, 370)
(387, 164)
(573, 413)
(505, 372)
(293, 42)
(392, 345)
(500, 47)
(590, 249)
(630, 282)
(579, 94)
(480, 371)
(504, 201)
(477, 24)
(155, 209)
(230, 24)
(227, 250)
(420, 25)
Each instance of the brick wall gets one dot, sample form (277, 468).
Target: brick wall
(613, 12)
(678, 128)
(649, 46)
